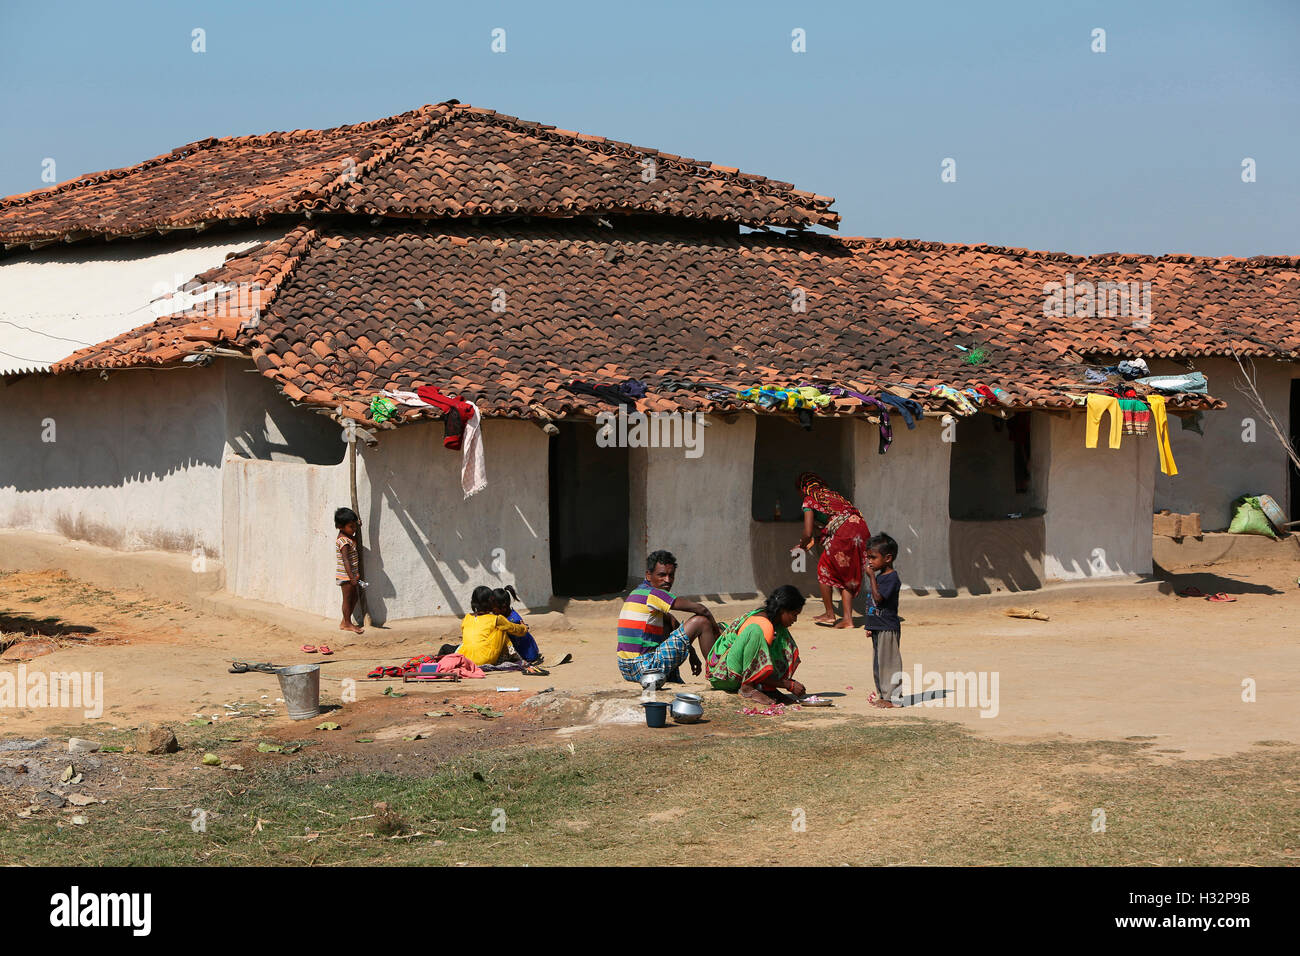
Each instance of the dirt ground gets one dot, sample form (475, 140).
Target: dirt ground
(1113, 666)
(1126, 701)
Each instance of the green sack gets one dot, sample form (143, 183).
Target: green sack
(1250, 518)
(382, 409)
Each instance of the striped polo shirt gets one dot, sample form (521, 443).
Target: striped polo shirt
(641, 622)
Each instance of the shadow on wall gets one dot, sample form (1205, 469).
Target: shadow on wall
(769, 551)
(394, 496)
(76, 431)
(997, 555)
(262, 425)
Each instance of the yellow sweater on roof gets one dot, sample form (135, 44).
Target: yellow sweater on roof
(483, 637)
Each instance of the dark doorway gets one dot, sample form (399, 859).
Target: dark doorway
(783, 451)
(990, 473)
(589, 513)
(1295, 443)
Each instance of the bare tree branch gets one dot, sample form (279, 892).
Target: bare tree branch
(1248, 385)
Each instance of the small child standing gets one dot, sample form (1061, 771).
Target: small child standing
(346, 568)
(525, 644)
(883, 623)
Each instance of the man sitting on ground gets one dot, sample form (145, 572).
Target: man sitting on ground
(647, 617)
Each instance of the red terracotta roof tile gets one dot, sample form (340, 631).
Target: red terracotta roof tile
(348, 311)
(444, 160)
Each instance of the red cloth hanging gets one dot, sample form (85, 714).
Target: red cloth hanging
(456, 413)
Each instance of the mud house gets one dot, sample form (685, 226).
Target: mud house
(534, 271)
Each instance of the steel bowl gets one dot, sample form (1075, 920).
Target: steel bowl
(653, 680)
(687, 708)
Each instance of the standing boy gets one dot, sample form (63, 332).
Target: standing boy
(883, 623)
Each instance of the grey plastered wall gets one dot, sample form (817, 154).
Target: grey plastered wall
(1217, 467)
(904, 493)
(699, 508)
(1099, 503)
(135, 464)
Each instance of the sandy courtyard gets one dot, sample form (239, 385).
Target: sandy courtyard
(1113, 663)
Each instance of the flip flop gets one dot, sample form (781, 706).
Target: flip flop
(308, 648)
(532, 670)
(1192, 592)
(324, 649)
(1221, 598)
(563, 660)
(243, 667)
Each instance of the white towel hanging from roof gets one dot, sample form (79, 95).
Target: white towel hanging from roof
(473, 472)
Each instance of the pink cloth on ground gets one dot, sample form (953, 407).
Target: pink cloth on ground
(459, 664)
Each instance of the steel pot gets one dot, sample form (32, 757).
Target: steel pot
(687, 708)
(653, 680)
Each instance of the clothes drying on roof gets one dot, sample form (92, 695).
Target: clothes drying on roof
(1137, 416)
(455, 412)
(814, 396)
(1099, 405)
(910, 409)
(1193, 383)
(625, 394)
(1161, 420)
(953, 397)
(882, 409)
(405, 398)
(1133, 368)
(473, 470)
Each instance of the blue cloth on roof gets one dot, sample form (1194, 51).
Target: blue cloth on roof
(907, 408)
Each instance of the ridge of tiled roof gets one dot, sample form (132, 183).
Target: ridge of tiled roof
(350, 310)
(1100, 258)
(446, 160)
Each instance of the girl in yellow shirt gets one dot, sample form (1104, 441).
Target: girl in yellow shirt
(484, 633)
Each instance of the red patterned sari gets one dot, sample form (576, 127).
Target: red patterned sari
(843, 540)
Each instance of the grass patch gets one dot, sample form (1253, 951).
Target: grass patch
(856, 792)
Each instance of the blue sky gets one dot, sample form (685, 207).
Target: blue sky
(1137, 149)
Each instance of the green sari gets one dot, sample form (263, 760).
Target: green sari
(751, 651)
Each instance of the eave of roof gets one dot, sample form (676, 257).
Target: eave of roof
(341, 335)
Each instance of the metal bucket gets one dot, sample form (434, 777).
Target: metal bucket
(300, 685)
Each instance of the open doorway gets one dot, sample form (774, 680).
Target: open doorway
(590, 513)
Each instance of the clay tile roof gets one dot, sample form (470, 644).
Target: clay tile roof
(507, 315)
(446, 160)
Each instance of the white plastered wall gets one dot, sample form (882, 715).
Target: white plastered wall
(427, 547)
(1217, 467)
(134, 464)
(56, 300)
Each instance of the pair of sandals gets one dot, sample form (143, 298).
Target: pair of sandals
(1220, 598)
(243, 667)
(313, 649)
